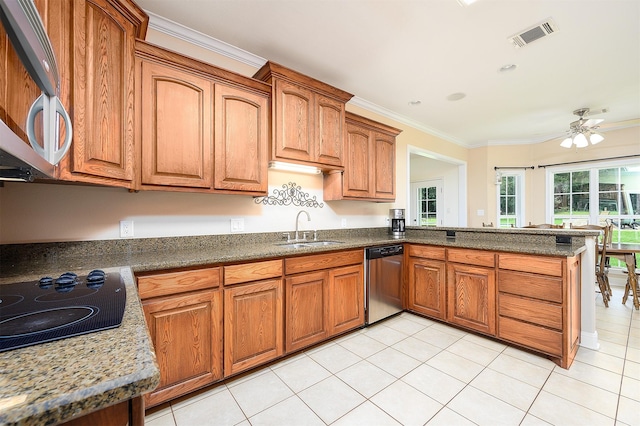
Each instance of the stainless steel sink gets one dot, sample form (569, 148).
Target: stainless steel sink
(302, 244)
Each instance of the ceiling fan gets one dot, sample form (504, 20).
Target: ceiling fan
(583, 130)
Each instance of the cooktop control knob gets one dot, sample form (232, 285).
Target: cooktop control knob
(96, 278)
(45, 283)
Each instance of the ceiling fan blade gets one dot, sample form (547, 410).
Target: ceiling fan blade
(593, 122)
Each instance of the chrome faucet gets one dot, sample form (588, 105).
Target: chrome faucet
(297, 218)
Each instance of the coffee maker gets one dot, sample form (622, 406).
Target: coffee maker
(396, 223)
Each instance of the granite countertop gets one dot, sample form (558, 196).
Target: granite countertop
(51, 382)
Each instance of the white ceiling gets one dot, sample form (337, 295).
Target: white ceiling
(391, 52)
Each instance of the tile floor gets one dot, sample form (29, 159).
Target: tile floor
(408, 370)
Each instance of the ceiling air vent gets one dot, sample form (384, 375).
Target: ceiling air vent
(534, 33)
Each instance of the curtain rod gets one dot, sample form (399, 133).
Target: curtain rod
(519, 167)
(589, 161)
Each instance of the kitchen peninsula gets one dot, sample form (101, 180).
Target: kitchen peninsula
(146, 256)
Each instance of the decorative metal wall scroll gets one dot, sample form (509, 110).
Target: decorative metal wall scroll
(288, 195)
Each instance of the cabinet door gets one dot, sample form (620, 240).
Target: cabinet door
(427, 287)
(253, 329)
(472, 297)
(384, 171)
(357, 178)
(187, 337)
(293, 112)
(176, 119)
(103, 94)
(306, 320)
(346, 298)
(241, 140)
(572, 322)
(329, 135)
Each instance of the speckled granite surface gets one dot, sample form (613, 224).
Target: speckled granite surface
(51, 382)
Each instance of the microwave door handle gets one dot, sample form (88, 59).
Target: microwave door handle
(50, 107)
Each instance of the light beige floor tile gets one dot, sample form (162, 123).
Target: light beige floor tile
(610, 348)
(164, 420)
(436, 337)
(530, 357)
(455, 366)
(599, 359)
(331, 399)
(473, 352)
(634, 342)
(592, 397)
(483, 341)
(366, 378)
(320, 347)
(404, 325)
(614, 319)
(394, 362)
(292, 411)
(301, 374)
(521, 370)
(595, 376)
(631, 388)
(484, 409)
(506, 388)
(415, 318)
(335, 358)
(629, 411)
(451, 330)
(613, 327)
(158, 411)
(384, 334)
(251, 394)
(447, 417)
(363, 345)
(406, 404)
(243, 423)
(236, 381)
(366, 414)
(633, 354)
(632, 369)
(218, 409)
(530, 420)
(610, 336)
(434, 383)
(416, 348)
(561, 412)
(197, 396)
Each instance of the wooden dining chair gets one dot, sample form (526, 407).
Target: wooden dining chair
(602, 265)
(487, 225)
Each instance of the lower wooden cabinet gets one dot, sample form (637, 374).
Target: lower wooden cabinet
(307, 316)
(125, 413)
(427, 284)
(253, 321)
(346, 299)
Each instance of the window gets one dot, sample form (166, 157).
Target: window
(511, 199)
(427, 203)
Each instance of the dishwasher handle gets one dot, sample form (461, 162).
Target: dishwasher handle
(379, 252)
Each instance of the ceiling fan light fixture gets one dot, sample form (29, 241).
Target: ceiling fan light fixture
(580, 140)
(567, 143)
(595, 138)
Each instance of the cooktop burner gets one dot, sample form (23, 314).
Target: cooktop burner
(56, 308)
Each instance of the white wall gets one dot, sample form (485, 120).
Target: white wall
(422, 168)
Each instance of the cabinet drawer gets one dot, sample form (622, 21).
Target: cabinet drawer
(316, 262)
(471, 257)
(254, 271)
(530, 310)
(427, 252)
(532, 336)
(530, 285)
(165, 283)
(534, 264)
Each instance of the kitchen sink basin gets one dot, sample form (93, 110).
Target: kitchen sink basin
(303, 244)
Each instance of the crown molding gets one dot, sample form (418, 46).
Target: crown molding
(179, 31)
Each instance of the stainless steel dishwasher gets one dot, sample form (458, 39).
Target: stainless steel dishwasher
(383, 282)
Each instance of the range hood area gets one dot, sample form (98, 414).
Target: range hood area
(18, 161)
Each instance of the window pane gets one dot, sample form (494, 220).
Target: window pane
(580, 181)
(561, 183)
(561, 204)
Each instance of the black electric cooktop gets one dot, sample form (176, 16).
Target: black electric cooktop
(56, 308)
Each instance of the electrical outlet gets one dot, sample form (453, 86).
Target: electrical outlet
(237, 225)
(344, 223)
(126, 228)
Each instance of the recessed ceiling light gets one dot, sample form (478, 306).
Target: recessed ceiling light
(465, 3)
(414, 103)
(508, 67)
(456, 96)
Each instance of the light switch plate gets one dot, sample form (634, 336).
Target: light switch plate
(237, 225)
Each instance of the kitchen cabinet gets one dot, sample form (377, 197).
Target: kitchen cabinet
(324, 297)
(308, 118)
(539, 304)
(183, 310)
(427, 285)
(125, 413)
(200, 128)
(253, 315)
(471, 288)
(370, 163)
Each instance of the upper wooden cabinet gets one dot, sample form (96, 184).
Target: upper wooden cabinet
(308, 118)
(370, 163)
(200, 128)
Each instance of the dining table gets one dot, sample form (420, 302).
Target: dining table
(627, 253)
